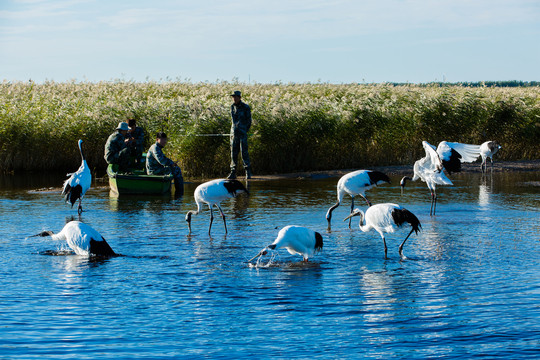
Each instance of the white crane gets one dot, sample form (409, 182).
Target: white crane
(297, 240)
(212, 193)
(356, 183)
(430, 168)
(487, 150)
(386, 218)
(78, 183)
(82, 239)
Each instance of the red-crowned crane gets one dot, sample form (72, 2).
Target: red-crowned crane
(356, 183)
(297, 240)
(430, 169)
(82, 239)
(78, 183)
(487, 150)
(386, 218)
(212, 193)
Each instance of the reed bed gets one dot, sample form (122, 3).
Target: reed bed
(296, 127)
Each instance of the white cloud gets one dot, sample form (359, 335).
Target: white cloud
(272, 19)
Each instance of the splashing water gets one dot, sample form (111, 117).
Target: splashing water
(260, 261)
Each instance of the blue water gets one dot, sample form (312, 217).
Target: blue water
(469, 288)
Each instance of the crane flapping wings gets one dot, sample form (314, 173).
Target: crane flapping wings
(453, 154)
(432, 160)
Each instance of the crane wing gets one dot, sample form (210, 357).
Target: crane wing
(468, 152)
(432, 160)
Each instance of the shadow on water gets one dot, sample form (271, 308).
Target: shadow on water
(32, 181)
(95, 258)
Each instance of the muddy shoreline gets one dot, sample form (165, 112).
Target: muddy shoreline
(498, 166)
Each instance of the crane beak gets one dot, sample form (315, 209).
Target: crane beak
(261, 253)
(43, 234)
(356, 213)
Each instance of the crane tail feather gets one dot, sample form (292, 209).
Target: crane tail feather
(73, 194)
(377, 177)
(402, 216)
(318, 241)
(101, 248)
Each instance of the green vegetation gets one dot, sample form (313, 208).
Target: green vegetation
(296, 126)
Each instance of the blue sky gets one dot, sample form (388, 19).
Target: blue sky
(270, 41)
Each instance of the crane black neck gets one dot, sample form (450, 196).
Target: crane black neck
(80, 150)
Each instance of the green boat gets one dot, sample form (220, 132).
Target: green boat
(138, 182)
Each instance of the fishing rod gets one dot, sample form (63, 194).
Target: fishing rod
(206, 135)
(211, 135)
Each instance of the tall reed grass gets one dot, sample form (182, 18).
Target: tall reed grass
(295, 126)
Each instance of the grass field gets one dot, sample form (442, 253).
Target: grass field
(296, 127)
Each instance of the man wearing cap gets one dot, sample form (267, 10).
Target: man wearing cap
(116, 150)
(241, 122)
(158, 164)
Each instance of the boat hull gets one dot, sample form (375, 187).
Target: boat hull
(138, 183)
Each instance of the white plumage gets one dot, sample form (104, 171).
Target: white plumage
(356, 183)
(453, 154)
(297, 240)
(487, 150)
(213, 193)
(82, 239)
(386, 218)
(78, 183)
(429, 169)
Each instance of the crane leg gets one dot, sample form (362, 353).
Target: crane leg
(403, 243)
(385, 248)
(79, 208)
(211, 219)
(223, 217)
(435, 203)
(352, 209)
(367, 201)
(431, 209)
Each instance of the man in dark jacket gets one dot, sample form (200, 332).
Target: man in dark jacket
(116, 150)
(241, 122)
(137, 144)
(158, 164)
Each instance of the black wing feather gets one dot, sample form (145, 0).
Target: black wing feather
(101, 248)
(318, 241)
(73, 194)
(376, 177)
(454, 162)
(233, 186)
(402, 216)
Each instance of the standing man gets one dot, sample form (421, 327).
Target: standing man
(116, 150)
(241, 122)
(158, 164)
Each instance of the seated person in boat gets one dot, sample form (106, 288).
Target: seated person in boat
(136, 145)
(158, 164)
(116, 149)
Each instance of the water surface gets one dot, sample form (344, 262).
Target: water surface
(470, 285)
